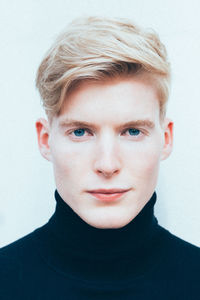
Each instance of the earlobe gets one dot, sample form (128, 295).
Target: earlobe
(42, 129)
(168, 138)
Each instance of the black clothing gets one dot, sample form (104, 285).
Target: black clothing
(69, 259)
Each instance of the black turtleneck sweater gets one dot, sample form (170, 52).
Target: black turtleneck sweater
(69, 259)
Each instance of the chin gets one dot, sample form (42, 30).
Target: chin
(109, 223)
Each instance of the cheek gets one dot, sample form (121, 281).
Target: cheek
(68, 159)
(63, 157)
(145, 160)
(150, 164)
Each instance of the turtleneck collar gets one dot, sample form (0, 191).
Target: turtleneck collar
(78, 236)
(69, 244)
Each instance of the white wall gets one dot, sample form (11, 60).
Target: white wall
(28, 27)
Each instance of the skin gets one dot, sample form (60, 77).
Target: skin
(107, 156)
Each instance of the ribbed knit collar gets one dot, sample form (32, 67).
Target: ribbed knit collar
(71, 245)
(77, 235)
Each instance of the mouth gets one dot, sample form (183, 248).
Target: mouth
(108, 195)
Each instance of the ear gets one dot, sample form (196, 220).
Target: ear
(42, 128)
(168, 126)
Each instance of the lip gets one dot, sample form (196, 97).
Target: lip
(108, 195)
(109, 191)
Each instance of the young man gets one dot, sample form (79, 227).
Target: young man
(104, 85)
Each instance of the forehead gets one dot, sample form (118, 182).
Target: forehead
(114, 100)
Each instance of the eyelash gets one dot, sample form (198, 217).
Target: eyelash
(89, 131)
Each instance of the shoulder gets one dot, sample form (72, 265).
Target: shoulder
(20, 246)
(15, 256)
(178, 243)
(17, 259)
(180, 256)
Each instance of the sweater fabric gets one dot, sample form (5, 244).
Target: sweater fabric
(68, 259)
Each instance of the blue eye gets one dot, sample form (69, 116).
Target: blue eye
(134, 131)
(79, 132)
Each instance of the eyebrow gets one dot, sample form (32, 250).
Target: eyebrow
(135, 123)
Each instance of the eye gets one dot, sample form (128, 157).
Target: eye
(84, 132)
(133, 131)
(79, 132)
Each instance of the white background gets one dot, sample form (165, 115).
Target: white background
(28, 28)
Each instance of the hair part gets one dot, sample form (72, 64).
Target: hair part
(95, 48)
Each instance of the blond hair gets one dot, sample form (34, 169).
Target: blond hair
(98, 48)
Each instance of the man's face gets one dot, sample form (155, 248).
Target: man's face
(107, 152)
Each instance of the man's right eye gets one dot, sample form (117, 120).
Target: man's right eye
(79, 132)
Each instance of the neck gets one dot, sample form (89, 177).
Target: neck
(71, 229)
(74, 245)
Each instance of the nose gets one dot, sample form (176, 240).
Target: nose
(107, 161)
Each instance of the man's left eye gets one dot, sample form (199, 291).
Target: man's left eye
(132, 131)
